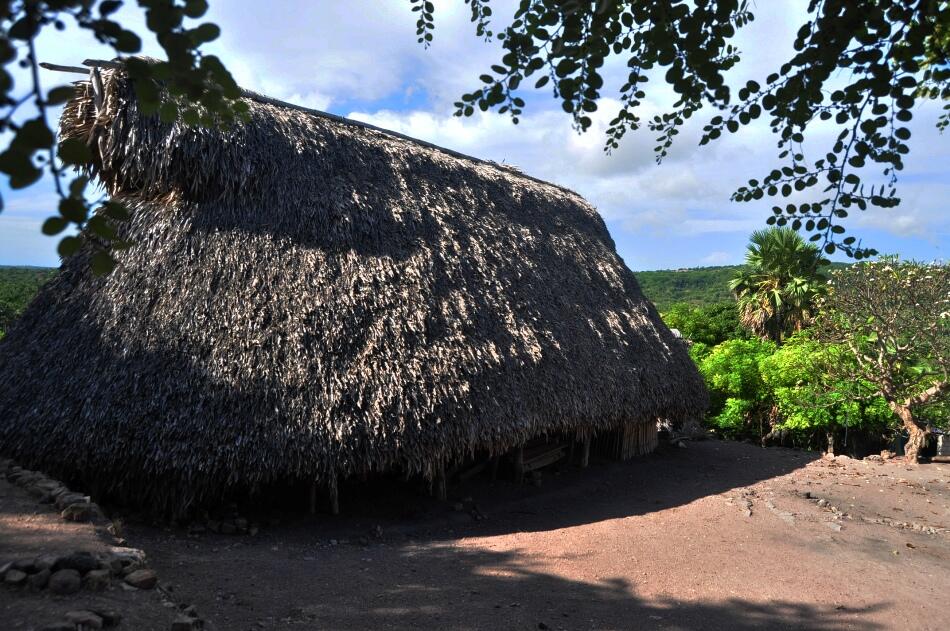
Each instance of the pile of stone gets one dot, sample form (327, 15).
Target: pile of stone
(68, 574)
(72, 506)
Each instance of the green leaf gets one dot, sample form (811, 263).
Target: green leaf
(101, 263)
(60, 95)
(117, 211)
(74, 209)
(35, 134)
(74, 151)
(54, 225)
(69, 246)
(207, 32)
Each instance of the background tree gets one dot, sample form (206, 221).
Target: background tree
(894, 317)
(863, 64)
(738, 399)
(705, 324)
(776, 290)
(817, 392)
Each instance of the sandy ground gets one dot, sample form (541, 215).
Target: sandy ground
(29, 529)
(720, 535)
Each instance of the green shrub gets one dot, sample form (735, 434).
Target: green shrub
(738, 396)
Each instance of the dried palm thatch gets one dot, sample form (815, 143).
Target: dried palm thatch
(309, 299)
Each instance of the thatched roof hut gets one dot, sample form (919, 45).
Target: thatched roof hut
(310, 298)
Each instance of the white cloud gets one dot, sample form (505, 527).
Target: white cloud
(719, 258)
(361, 58)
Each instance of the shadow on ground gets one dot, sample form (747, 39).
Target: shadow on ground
(525, 566)
(433, 586)
(568, 496)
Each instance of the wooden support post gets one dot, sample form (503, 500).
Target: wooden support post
(313, 498)
(570, 450)
(585, 453)
(440, 488)
(495, 461)
(519, 465)
(334, 500)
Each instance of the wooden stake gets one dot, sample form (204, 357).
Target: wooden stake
(585, 453)
(334, 500)
(440, 491)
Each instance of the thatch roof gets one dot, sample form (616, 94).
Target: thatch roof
(310, 298)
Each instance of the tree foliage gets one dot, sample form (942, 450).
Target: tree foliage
(709, 325)
(894, 318)
(737, 393)
(18, 285)
(777, 288)
(862, 65)
(809, 396)
(195, 86)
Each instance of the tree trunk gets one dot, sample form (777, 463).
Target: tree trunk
(916, 435)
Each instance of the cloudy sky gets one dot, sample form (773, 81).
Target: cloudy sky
(360, 59)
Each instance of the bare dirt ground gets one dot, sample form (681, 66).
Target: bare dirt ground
(720, 535)
(29, 529)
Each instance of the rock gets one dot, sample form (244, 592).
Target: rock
(191, 611)
(227, 528)
(80, 511)
(184, 623)
(59, 626)
(65, 582)
(85, 619)
(142, 579)
(214, 525)
(97, 580)
(66, 499)
(45, 561)
(823, 503)
(115, 566)
(82, 562)
(14, 578)
(25, 565)
(39, 580)
(241, 524)
(133, 554)
(5, 567)
(833, 526)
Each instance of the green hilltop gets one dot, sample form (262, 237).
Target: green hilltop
(697, 286)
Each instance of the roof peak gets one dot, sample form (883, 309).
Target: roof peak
(92, 64)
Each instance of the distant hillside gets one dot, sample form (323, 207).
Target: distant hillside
(697, 286)
(18, 285)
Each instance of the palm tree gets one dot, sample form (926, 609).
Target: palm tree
(776, 290)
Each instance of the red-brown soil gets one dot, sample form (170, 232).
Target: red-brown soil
(719, 535)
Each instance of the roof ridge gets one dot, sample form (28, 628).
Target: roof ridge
(262, 98)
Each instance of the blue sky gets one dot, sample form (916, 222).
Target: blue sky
(360, 59)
